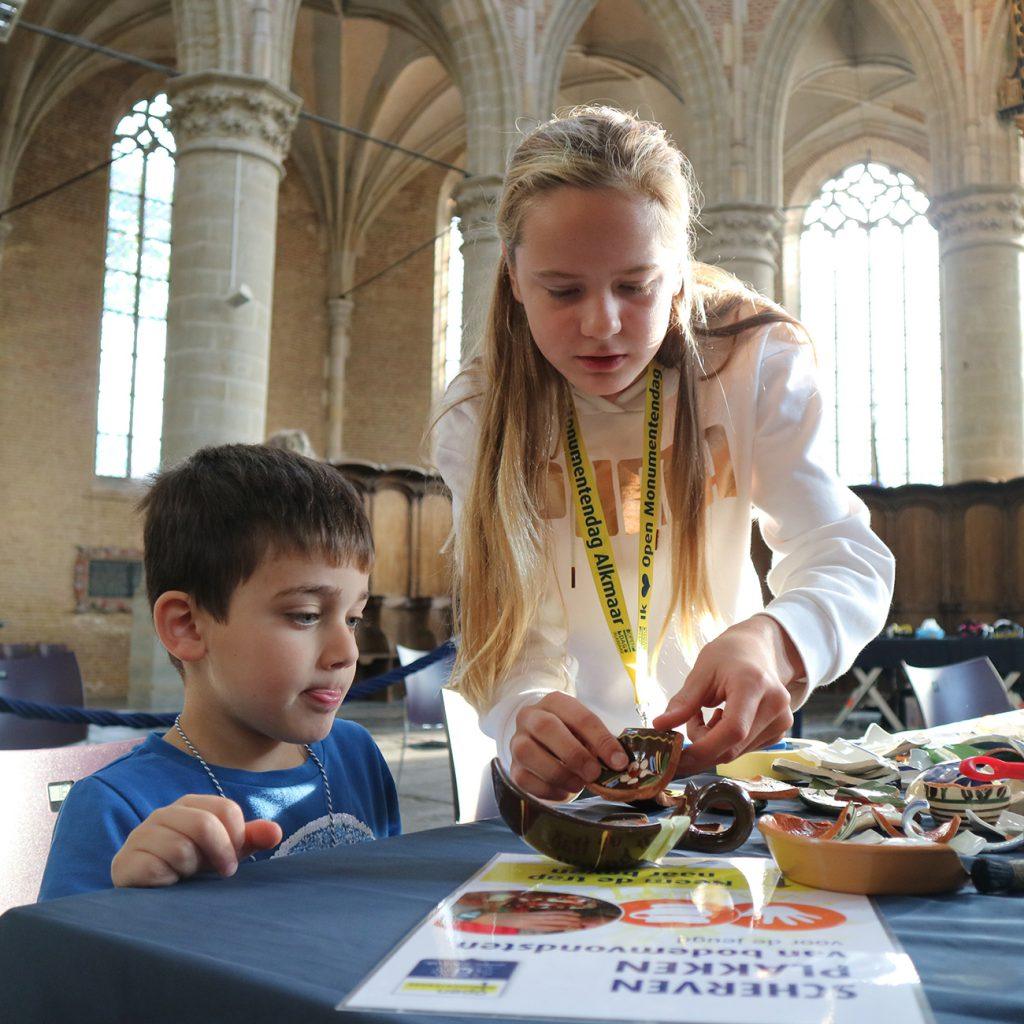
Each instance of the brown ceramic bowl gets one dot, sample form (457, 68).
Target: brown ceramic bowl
(600, 835)
(898, 868)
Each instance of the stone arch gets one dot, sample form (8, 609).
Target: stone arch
(935, 63)
(885, 150)
(483, 48)
(43, 72)
(697, 66)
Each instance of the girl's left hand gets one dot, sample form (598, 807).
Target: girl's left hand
(745, 670)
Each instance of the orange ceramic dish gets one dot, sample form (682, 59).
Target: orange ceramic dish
(893, 868)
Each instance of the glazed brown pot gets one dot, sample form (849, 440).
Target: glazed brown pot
(598, 835)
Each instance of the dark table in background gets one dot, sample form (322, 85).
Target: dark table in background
(881, 660)
(285, 940)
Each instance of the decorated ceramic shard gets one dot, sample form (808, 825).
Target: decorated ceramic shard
(950, 792)
(599, 835)
(653, 757)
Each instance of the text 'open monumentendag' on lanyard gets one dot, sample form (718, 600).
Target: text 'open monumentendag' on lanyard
(633, 647)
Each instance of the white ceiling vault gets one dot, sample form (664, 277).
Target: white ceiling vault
(758, 105)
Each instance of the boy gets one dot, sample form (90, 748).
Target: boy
(257, 564)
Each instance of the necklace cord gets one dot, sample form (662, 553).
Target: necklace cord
(220, 791)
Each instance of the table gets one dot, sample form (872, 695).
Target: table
(285, 940)
(882, 657)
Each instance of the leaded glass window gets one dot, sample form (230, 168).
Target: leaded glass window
(448, 307)
(133, 332)
(869, 294)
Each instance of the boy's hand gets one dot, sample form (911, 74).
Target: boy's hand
(195, 833)
(559, 746)
(745, 670)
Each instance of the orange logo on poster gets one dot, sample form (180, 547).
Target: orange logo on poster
(674, 914)
(788, 917)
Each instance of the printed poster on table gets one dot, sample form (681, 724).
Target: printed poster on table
(697, 939)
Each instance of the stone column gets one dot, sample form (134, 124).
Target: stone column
(340, 311)
(981, 280)
(476, 203)
(231, 132)
(744, 240)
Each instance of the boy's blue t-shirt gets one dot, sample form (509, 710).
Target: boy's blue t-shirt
(102, 809)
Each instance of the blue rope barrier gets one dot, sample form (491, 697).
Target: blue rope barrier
(156, 720)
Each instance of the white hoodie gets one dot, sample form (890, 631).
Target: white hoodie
(831, 576)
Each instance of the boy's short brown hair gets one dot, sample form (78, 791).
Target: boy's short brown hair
(211, 519)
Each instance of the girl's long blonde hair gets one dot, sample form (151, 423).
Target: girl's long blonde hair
(501, 543)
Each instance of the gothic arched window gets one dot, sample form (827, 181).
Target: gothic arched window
(447, 304)
(129, 412)
(869, 294)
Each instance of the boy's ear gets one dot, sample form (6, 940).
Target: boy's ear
(174, 619)
(511, 268)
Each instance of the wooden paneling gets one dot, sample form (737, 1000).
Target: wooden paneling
(959, 549)
(411, 515)
(985, 561)
(391, 516)
(917, 542)
(434, 524)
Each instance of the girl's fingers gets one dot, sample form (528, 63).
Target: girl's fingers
(686, 704)
(589, 730)
(584, 725)
(772, 733)
(531, 758)
(726, 738)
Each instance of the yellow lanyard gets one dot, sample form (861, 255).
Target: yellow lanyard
(590, 518)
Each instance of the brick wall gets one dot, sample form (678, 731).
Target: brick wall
(50, 302)
(300, 329)
(388, 382)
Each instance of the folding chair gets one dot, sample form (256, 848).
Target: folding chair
(423, 711)
(51, 678)
(953, 693)
(35, 783)
(470, 753)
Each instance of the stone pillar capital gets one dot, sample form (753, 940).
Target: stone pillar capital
(216, 110)
(979, 215)
(742, 238)
(740, 231)
(340, 312)
(476, 205)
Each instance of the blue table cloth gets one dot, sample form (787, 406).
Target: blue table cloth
(285, 940)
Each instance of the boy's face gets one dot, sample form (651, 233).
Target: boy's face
(281, 663)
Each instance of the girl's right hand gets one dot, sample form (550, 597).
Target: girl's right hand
(559, 746)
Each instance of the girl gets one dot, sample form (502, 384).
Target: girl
(604, 452)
